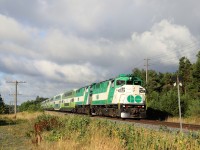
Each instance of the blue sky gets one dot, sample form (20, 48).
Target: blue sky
(58, 45)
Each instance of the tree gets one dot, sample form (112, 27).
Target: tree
(139, 73)
(32, 105)
(185, 71)
(2, 105)
(154, 81)
(196, 76)
(167, 83)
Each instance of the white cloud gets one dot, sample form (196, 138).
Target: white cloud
(165, 39)
(68, 47)
(11, 30)
(66, 73)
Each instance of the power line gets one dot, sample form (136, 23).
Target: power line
(188, 51)
(181, 48)
(173, 58)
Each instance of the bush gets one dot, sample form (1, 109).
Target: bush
(193, 108)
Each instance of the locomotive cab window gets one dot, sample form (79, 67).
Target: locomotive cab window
(120, 82)
(129, 82)
(137, 82)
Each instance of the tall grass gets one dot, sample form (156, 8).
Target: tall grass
(189, 120)
(22, 115)
(83, 133)
(77, 132)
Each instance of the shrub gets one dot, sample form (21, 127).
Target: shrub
(194, 108)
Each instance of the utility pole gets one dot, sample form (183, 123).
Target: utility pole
(179, 103)
(15, 102)
(178, 83)
(147, 64)
(11, 107)
(16, 83)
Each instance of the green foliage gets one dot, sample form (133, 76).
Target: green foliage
(45, 117)
(52, 124)
(30, 106)
(185, 71)
(193, 108)
(196, 76)
(77, 124)
(59, 128)
(54, 135)
(169, 102)
(140, 73)
(2, 105)
(33, 105)
(162, 95)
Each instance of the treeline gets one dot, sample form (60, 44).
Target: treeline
(32, 105)
(3, 107)
(162, 97)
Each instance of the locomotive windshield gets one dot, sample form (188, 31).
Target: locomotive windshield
(133, 82)
(120, 82)
(129, 82)
(137, 82)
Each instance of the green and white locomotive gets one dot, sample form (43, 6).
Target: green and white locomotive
(122, 96)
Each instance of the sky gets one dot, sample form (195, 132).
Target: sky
(55, 46)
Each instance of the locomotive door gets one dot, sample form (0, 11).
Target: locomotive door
(90, 94)
(111, 92)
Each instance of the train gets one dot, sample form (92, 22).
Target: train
(122, 96)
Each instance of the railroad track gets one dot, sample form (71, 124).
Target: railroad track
(167, 124)
(192, 127)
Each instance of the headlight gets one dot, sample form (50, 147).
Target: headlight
(142, 90)
(121, 90)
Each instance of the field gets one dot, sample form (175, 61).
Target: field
(83, 133)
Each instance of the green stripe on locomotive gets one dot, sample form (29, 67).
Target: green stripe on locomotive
(79, 103)
(99, 102)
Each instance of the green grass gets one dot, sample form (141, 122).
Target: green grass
(13, 135)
